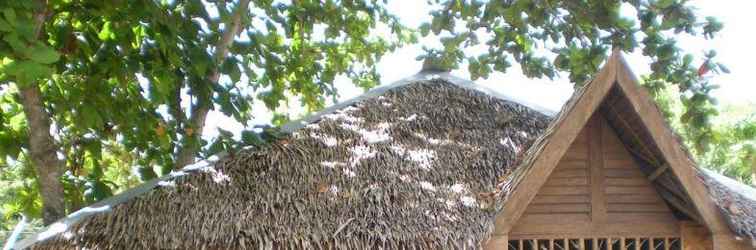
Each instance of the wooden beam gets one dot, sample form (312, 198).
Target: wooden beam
(682, 166)
(659, 170)
(640, 155)
(668, 182)
(667, 228)
(635, 136)
(596, 163)
(679, 205)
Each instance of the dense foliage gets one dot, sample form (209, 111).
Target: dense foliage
(127, 85)
(731, 149)
(97, 96)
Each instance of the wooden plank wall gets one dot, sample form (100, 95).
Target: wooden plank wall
(630, 195)
(567, 191)
(596, 188)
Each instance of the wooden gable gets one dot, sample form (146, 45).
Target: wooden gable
(596, 189)
(647, 130)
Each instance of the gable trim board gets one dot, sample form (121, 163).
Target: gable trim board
(548, 149)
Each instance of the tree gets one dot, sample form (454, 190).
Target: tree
(546, 37)
(732, 148)
(130, 83)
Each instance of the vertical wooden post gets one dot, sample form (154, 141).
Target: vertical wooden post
(666, 243)
(551, 244)
(637, 244)
(609, 244)
(596, 163)
(694, 236)
(582, 244)
(519, 245)
(622, 244)
(595, 244)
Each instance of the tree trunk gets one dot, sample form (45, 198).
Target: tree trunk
(43, 154)
(196, 123)
(42, 149)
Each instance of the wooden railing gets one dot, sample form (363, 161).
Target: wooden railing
(644, 243)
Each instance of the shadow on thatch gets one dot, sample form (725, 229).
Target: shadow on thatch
(413, 167)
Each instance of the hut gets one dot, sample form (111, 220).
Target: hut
(437, 162)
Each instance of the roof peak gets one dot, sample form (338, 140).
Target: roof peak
(435, 64)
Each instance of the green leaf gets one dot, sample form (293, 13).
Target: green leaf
(106, 33)
(10, 16)
(199, 61)
(425, 29)
(665, 3)
(97, 191)
(27, 72)
(216, 147)
(15, 43)
(251, 138)
(5, 26)
(90, 118)
(146, 173)
(43, 54)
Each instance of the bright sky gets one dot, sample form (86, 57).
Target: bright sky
(734, 45)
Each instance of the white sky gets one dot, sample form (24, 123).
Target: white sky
(734, 45)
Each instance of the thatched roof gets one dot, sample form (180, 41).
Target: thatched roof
(411, 165)
(736, 201)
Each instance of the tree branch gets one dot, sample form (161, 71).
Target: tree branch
(196, 124)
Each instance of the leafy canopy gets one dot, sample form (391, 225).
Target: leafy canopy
(548, 37)
(123, 80)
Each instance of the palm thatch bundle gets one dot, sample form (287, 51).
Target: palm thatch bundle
(416, 166)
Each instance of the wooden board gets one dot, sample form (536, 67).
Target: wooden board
(566, 181)
(561, 199)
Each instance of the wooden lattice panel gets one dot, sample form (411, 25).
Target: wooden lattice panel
(597, 244)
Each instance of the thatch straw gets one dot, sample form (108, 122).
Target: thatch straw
(412, 168)
(736, 201)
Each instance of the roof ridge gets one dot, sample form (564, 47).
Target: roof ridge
(421, 77)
